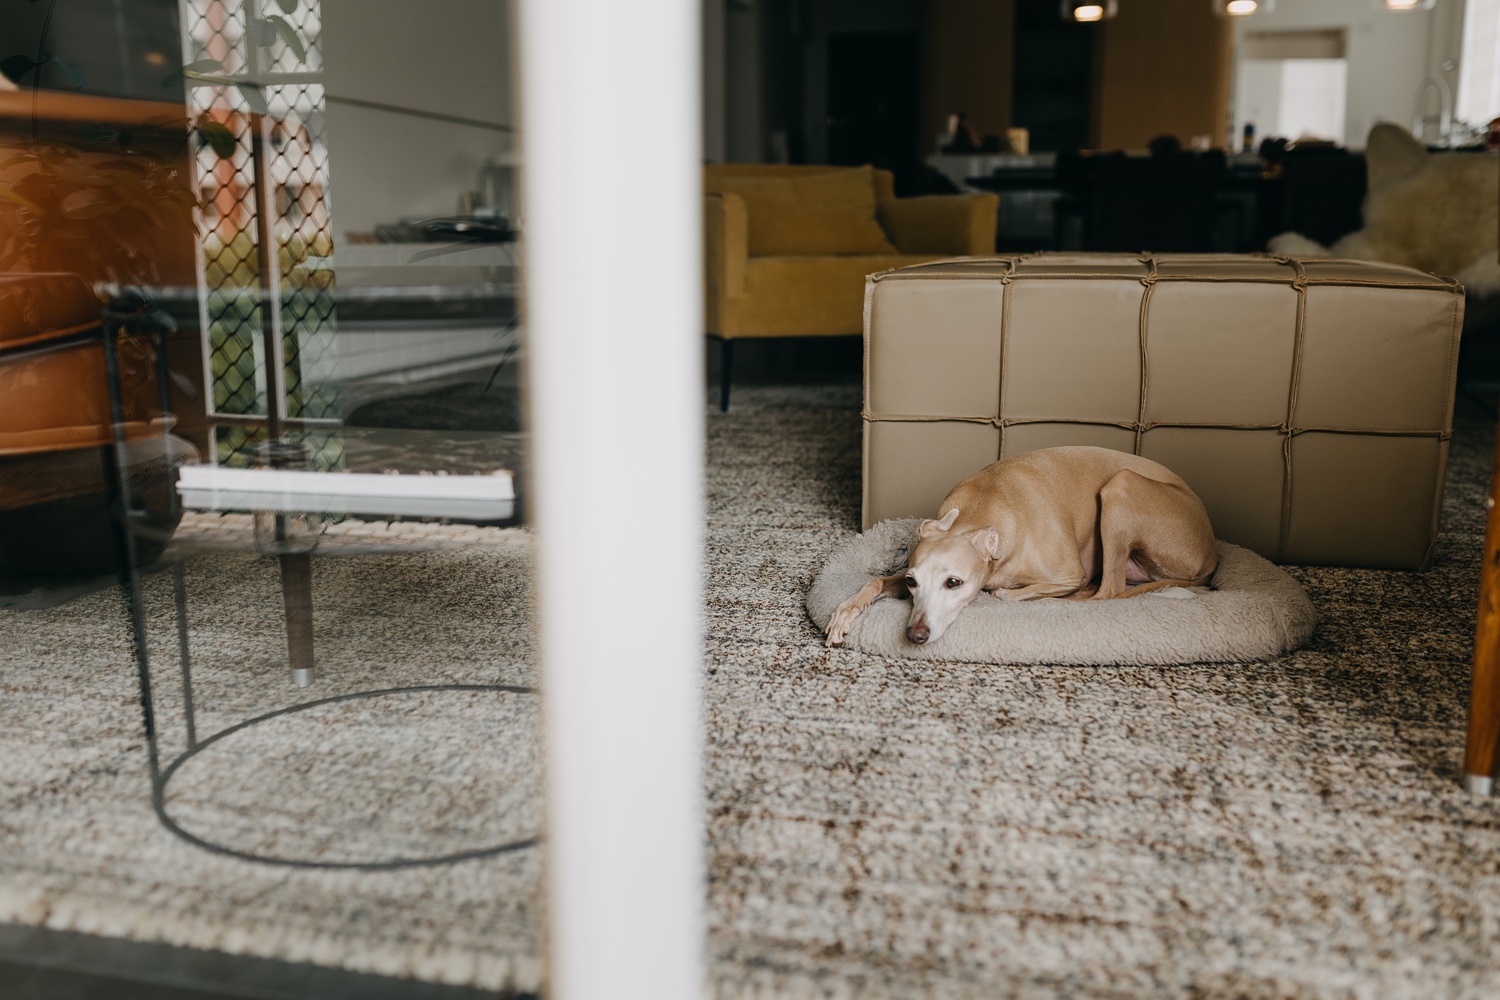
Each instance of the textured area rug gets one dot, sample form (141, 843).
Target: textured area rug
(897, 828)
(415, 775)
(1250, 611)
(876, 827)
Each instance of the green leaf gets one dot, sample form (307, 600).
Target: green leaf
(192, 69)
(253, 97)
(263, 31)
(287, 6)
(222, 81)
(219, 138)
(289, 35)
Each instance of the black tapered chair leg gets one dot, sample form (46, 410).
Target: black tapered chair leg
(726, 367)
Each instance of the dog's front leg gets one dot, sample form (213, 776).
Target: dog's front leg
(1035, 591)
(882, 586)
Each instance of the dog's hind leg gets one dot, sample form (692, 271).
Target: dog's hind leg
(1152, 533)
(882, 586)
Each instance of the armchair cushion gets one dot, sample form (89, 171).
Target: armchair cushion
(805, 296)
(830, 212)
(949, 224)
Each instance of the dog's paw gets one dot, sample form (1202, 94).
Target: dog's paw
(836, 633)
(838, 625)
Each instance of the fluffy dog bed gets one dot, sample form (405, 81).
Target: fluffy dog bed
(1254, 611)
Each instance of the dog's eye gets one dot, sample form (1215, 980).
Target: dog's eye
(911, 582)
(953, 583)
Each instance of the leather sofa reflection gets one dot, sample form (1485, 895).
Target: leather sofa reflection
(94, 195)
(57, 431)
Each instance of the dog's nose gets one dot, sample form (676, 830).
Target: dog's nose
(917, 633)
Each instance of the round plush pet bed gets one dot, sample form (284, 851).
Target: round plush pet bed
(1253, 611)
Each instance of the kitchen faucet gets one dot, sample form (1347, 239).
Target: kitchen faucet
(1421, 119)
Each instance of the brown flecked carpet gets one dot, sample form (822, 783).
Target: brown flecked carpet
(900, 828)
(876, 827)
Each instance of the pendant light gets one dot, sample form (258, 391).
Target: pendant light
(1241, 8)
(1088, 11)
(1401, 6)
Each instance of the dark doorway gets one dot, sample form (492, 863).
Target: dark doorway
(1054, 76)
(873, 83)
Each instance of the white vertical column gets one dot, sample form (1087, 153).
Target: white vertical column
(611, 132)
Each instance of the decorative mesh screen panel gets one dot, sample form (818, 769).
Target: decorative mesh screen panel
(254, 91)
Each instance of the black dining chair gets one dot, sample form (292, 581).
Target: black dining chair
(1166, 202)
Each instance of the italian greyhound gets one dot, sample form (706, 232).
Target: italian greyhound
(1072, 522)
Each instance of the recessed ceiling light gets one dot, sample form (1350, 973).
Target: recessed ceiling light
(1088, 11)
(1241, 8)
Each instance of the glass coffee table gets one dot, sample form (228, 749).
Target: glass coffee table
(334, 657)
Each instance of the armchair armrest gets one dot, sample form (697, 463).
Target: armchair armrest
(959, 224)
(726, 250)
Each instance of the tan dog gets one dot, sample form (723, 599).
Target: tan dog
(1070, 522)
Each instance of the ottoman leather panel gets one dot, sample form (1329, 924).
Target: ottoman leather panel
(1349, 490)
(1236, 473)
(1063, 352)
(907, 458)
(1021, 438)
(1405, 340)
(1192, 326)
(1308, 403)
(1215, 266)
(957, 319)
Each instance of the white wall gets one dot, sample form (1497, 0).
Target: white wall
(1479, 86)
(1389, 54)
(1257, 98)
(436, 58)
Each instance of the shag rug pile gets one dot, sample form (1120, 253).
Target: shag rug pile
(1250, 611)
(876, 826)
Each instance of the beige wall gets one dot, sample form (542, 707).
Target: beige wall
(427, 64)
(967, 64)
(1162, 68)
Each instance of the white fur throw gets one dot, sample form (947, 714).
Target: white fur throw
(1435, 212)
(1254, 611)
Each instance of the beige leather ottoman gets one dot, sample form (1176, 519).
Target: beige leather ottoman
(1308, 402)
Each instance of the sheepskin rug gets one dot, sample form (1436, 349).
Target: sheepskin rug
(1251, 611)
(1437, 212)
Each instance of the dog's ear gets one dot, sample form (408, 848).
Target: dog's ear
(987, 542)
(930, 528)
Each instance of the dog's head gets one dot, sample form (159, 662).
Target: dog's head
(946, 572)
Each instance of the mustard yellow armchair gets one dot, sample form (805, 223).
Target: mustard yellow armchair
(788, 247)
